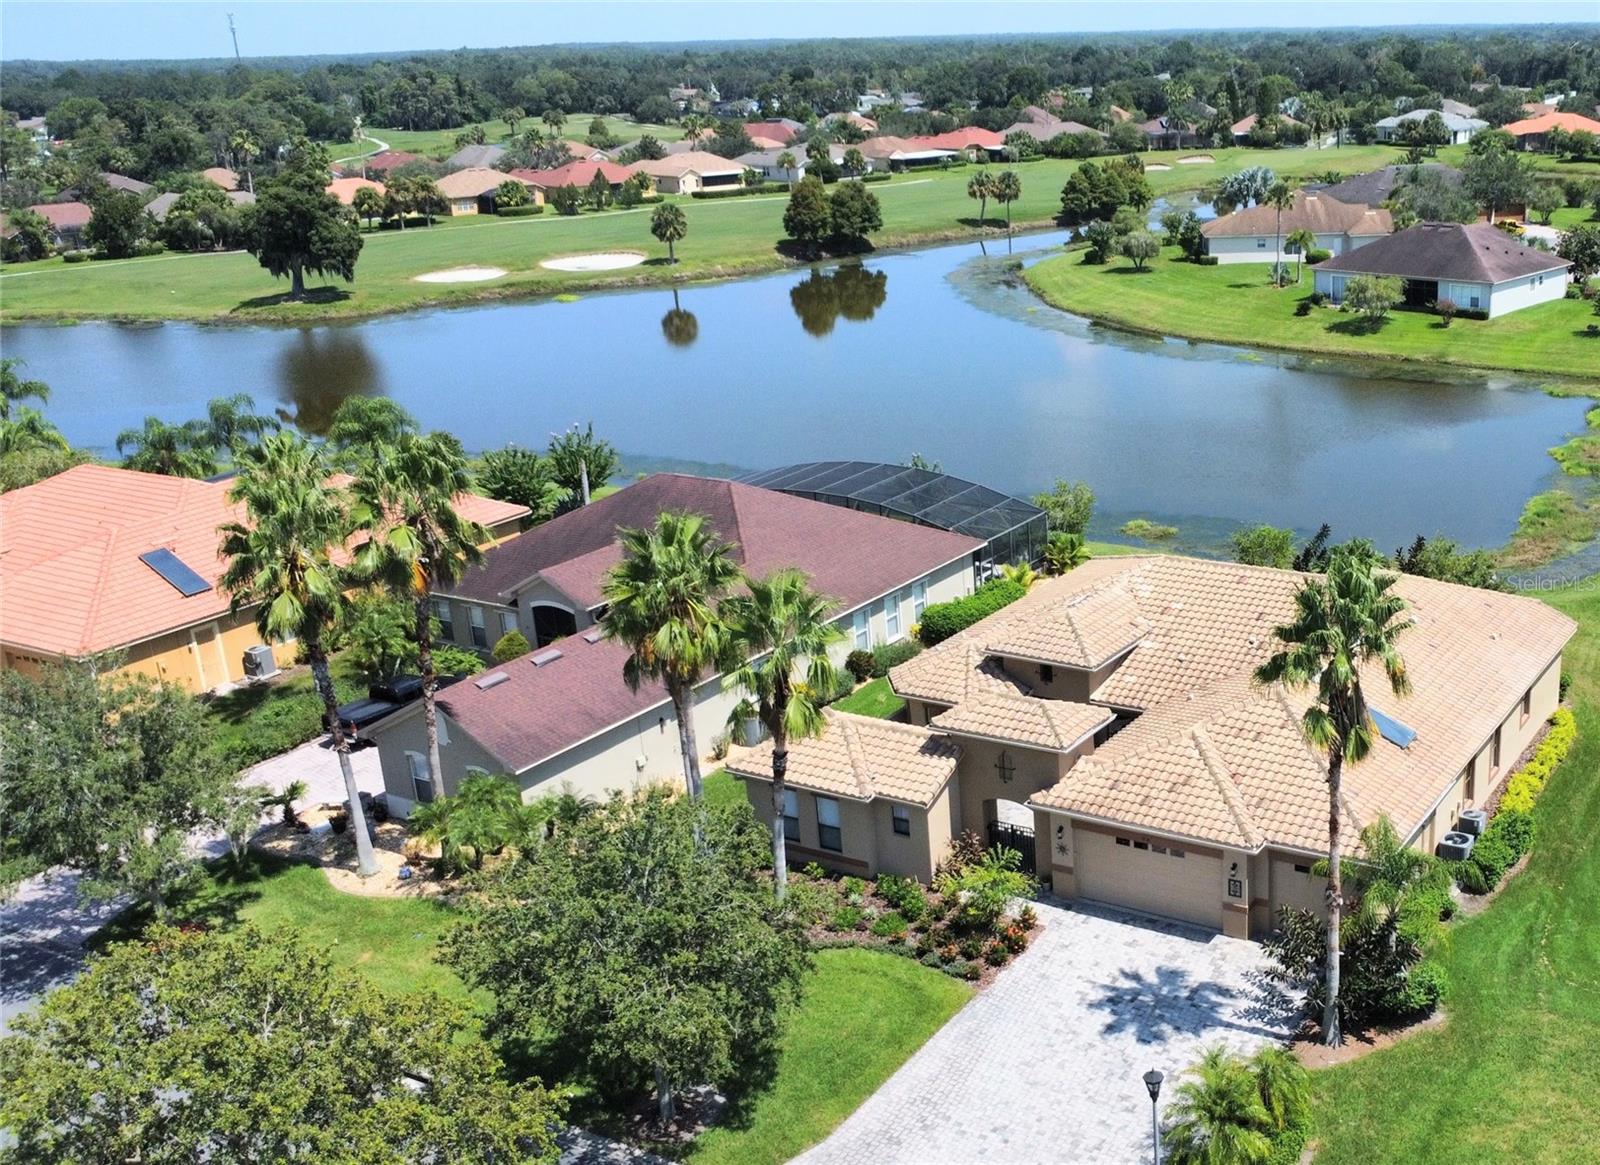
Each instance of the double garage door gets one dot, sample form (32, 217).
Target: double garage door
(1151, 876)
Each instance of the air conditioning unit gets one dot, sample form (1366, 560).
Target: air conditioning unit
(258, 662)
(1473, 821)
(1455, 847)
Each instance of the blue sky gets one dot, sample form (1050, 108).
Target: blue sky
(70, 30)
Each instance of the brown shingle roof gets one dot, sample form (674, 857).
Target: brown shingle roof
(861, 757)
(1468, 252)
(1056, 725)
(1317, 213)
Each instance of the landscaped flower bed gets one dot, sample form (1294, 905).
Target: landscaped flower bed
(1510, 833)
(967, 925)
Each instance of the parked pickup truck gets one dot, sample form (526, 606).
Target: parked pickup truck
(380, 700)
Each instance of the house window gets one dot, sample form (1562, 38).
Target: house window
(828, 833)
(480, 637)
(1123, 841)
(1005, 766)
(421, 780)
(1527, 704)
(508, 622)
(1141, 845)
(891, 616)
(1470, 787)
(1494, 752)
(1047, 673)
(1474, 303)
(447, 624)
(902, 819)
(791, 816)
(1262, 244)
(862, 627)
(1300, 869)
(442, 723)
(919, 599)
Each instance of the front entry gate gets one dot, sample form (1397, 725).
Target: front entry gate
(1017, 837)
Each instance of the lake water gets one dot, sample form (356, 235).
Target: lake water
(938, 351)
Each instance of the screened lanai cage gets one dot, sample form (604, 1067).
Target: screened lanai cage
(1013, 530)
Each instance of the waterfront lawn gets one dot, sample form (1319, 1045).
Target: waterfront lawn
(1512, 1073)
(725, 238)
(873, 698)
(1235, 304)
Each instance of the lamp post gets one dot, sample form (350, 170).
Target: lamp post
(1152, 1084)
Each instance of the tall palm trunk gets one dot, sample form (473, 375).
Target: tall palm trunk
(983, 209)
(780, 843)
(430, 688)
(1277, 251)
(366, 864)
(682, 694)
(1331, 1036)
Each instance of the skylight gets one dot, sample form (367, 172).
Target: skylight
(175, 572)
(1392, 730)
(492, 680)
(548, 655)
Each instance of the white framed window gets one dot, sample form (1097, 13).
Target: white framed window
(508, 622)
(480, 636)
(919, 599)
(891, 616)
(829, 835)
(791, 816)
(421, 779)
(901, 816)
(1261, 243)
(442, 722)
(442, 612)
(861, 625)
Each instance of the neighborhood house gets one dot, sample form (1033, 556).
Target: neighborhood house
(471, 191)
(1250, 235)
(690, 171)
(1458, 129)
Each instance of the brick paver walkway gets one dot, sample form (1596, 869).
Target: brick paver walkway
(1045, 1065)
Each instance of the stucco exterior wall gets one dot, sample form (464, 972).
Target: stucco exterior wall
(951, 581)
(1259, 248)
(979, 781)
(1516, 294)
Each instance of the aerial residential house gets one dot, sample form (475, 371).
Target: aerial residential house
(766, 162)
(737, 107)
(1532, 132)
(970, 137)
(1460, 129)
(1245, 126)
(893, 153)
(1169, 133)
(471, 191)
(1476, 266)
(161, 205)
(475, 157)
(99, 559)
(1249, 234)
(561, 717)
(583, 151)
(1114, 712)
(579, 174)
(690, 171)
(67, 221)
(864, 124)
(221, 176)
(37, 131)
(1458, 108)
(344, 189)
(778, 129)
(380, 163)
(1376, 187)
(1043, 129)
(125, 184)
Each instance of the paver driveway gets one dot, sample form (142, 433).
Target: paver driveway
(1045, 1065)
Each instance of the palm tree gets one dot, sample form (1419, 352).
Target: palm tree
(554, 119)
(787, 161)
(404, 502)
(14, 389)
(1217, 1116)
(981, 186)
(1283, 1085)
(1021, 573)
(28, 431)
(780, 627)
(1280, 197)
(1349, 618)
(232, 419)
(368, 203)
(244, 147)
(1007, 189)
(1302, 241)
(668, 225)
(1064, 551)
(173, 450)
(1387, 869)
(280, 561)
(661, 602)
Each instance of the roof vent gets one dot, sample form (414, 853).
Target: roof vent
(594, 635)
(176, 573)
(1392, 730)
(493, 680)
(548, 655)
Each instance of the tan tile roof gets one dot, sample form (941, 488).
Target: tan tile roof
(473, 182)
(860, 757)
(1083, 630)
(690, 161)
(1311, 211)
(1056, 725)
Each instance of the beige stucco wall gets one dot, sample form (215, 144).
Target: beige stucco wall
(1064, 683)
(978, 780)
(857, 830)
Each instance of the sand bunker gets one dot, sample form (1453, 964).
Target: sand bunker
(462, 275)
(1196, 160)
(604, 261)
(1157, 166)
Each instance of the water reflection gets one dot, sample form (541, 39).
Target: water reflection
(320, 370)
(853, 292)
(680, 327)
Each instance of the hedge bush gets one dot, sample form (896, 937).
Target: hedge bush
(1206, 260)
(860, 665)
(522, 211)
(1529, 781)
(1508, 837)
(75, 257)
(739, 191)
(888, 655)
(1426, 986)
(1318, 254)
(877, 176)
(942, 620)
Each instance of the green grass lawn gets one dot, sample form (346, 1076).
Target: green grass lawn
(263, 720)
(728, 237)
(1235, 304)
(1513, 1073)
(441, 143)
(873, 698)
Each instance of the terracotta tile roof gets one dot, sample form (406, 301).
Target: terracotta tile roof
(963, 138)
(1470, 252)
(1057, 725)
(861, 757)
(776, 131)
(851, 556)
(1083, 630)
(64, 215)
(221, 176)
(344, 189)
(956, 670)
(1245, 124)
(70, 570)
(382, 162)
(579, 174)
(1314, 212)
(1545, 122)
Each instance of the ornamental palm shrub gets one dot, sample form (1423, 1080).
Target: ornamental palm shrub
(1217, 1116)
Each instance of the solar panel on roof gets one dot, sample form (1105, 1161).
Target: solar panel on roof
(175, 572)
(1393, 730)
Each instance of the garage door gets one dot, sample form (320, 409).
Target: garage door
(1148, 875)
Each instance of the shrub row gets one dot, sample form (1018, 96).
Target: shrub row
(522, 211)
(888, 655)
(1206, 260)
(877, 176)
(739, 191)
(942, 620)
(1507, 838)
(1525, 785)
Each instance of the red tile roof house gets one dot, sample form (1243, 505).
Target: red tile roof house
(66, 219)
(1116, 704)
(579, 174)
(1531, 132)
(100, 559)
(380, 163)
(969, 137)
(561, 716)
